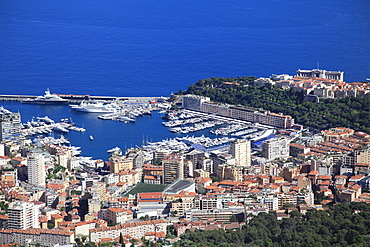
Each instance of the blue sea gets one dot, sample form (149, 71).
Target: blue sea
(154, 48)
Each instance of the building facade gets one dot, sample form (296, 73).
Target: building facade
(36, 168)
(10, 124)
(194, 102)
(23, 215)
(320, 73)
(240, 149)
(275, 148)
(173, 168)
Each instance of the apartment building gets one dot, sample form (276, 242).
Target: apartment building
(173, 168)
(116, 215)
(240, 149)
(227, 172)
(119, 163)
(275, 148)
(133, 229)
(10, 124)
(23, 215)
(194, 102)
(44, 236)
(36, 167)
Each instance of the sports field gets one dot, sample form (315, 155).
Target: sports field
(141, 187)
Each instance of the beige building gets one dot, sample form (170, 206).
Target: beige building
(62, 154)
(173, 168)
(226, 172)
(362, 156)
(119, 163)
(133, 229)
(240, 149)
(181, 204)
(130, 177)
(36, 168)
(203, 104)
(116, 215)
(99, 189)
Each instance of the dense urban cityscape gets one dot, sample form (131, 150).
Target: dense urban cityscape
(257, 162)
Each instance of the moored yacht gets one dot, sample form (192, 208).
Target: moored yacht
(48, 98)
(94, 107)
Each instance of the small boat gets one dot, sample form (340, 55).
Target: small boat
(60, 128)
(115, 150)
(91, 138)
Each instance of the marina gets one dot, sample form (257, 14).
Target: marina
(46, 125)
(186, 121)
(95, 135)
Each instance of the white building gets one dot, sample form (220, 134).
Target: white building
(275, 148)
(320, 73)
(193, 102)
(10, 124)
(23, 215)
(36, 168)
(240, 149)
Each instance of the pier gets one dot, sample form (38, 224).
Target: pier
(72, 98)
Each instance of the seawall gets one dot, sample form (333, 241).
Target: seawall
(72, 98)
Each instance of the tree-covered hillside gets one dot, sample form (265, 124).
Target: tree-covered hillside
(351, 112)
(340, 225)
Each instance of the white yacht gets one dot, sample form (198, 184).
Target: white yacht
(48, 98)
(115, 150)
(95, 107)
(60, 128)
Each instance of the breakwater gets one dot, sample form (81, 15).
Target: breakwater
(72, 98)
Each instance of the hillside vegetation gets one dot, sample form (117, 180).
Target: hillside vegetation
(351, 112)
(340, 225)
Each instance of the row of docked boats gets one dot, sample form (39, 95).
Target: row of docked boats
(180, 122)
(45, 125)
(229, 129)
(95, 107)
(205, 141)
(184, 143)
(114, 110)
(196, 127)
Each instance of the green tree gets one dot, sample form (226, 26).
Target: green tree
(233, 218)
(120, 238)
(83, 238)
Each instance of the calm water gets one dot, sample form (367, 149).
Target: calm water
(107, 134)
(145, 48)
(153, 48)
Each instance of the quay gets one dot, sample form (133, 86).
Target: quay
(72, 98)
